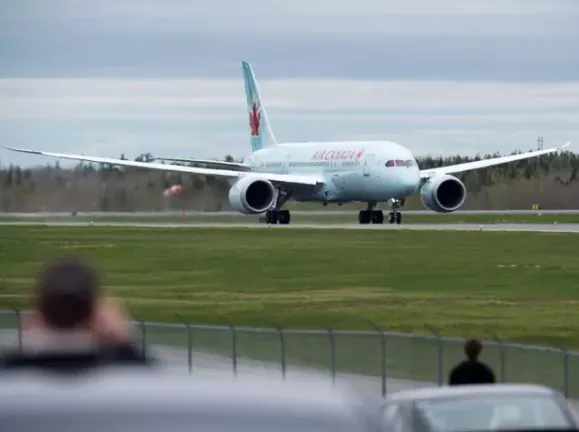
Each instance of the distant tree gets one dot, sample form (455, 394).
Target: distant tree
(87, 187)
(18, 176)
(9, 177)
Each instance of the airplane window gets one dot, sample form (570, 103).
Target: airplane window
(400, 163)
(409, 163)
(390, 163)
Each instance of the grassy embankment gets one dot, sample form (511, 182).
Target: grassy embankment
(519, 286)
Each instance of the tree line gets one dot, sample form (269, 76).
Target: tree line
(547, 181)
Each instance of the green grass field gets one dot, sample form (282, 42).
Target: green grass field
(520, 286)
(325, 218)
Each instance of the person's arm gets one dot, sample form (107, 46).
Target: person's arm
(111, 324)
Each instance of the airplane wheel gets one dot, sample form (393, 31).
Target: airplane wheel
(284, 217)
(364, 217)
(377, 217)
(398, 218)
(391, 217)
(271, 217)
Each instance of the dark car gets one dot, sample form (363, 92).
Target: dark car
(478, 408)
(127, 401)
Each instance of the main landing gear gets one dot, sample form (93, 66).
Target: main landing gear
(276, 215)
(371, 215)
(377, 216)
(273, 217)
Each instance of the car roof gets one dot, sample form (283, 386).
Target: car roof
(471, 390)
(163, 390)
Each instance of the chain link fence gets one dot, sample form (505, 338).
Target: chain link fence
(387, 360)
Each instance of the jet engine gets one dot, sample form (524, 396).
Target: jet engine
(252, 195)
(443, 193)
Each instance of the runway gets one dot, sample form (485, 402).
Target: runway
(295, 212)
(551, 228)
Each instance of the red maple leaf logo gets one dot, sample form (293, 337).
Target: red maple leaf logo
(360, 153)
(254, 119)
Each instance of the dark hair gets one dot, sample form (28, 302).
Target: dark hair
(66, 293)
(472, 349)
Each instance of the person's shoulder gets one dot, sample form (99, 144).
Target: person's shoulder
(481, 364)
(53, 361)
(461, 365)
(11, 358)
(119, 354)
(458, 369)
(487, 367)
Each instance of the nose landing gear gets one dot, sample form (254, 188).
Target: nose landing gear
(395, 216)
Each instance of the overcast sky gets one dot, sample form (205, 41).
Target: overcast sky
(164, 76)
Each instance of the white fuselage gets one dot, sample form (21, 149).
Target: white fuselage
(352, 171)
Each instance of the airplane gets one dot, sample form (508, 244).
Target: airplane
(369, 172)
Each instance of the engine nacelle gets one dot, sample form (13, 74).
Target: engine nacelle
(252, 195)
(443, 193)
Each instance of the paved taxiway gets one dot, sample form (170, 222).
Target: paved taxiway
(553, 228)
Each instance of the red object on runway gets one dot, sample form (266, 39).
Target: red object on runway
(173, 190)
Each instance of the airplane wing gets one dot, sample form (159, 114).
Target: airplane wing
(302, 180)
(216, 163)
(451, 169)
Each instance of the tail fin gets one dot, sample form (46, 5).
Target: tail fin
(261, 133)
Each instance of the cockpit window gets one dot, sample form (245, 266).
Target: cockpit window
(400, 163)
(390, 163)
(409, 163)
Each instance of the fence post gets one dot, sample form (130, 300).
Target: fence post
(440, 353)
(383, 356)
(283, 357)
(190, 347)
(332, 354)
(502, 357)
(189, 342)
(144, 336)
(19, 328)
(565, 372)
(233, 347)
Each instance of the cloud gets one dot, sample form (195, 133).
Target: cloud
(184, 100)
(164, 75)
(300, 17)
(453, 39)
(208, 118)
